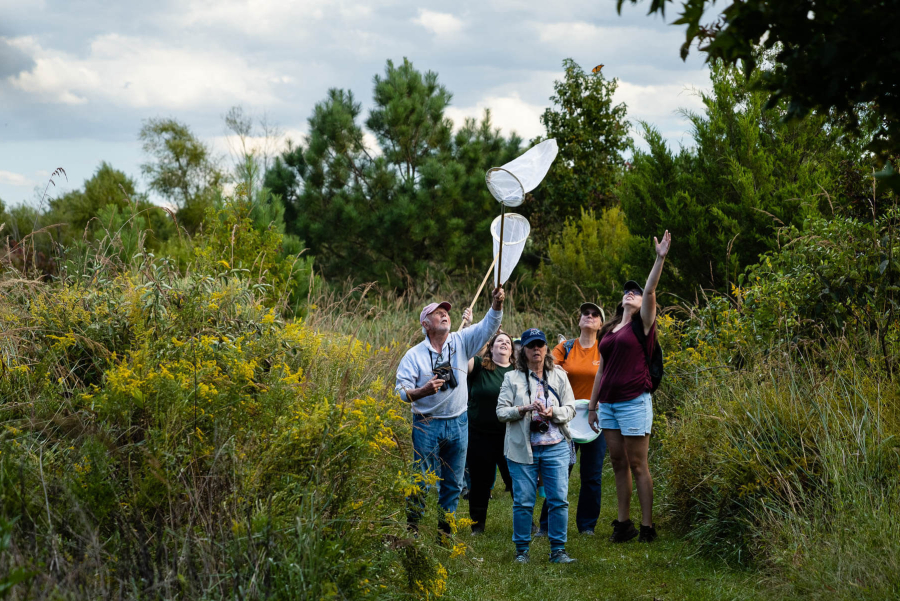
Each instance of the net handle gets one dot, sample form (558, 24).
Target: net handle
(480, 288)
(500, 250)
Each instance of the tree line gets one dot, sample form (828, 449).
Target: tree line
(414, 206)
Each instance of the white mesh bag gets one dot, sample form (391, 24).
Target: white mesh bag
(509, 183)
(515, 232)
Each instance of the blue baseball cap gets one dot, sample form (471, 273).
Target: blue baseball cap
(529, 336)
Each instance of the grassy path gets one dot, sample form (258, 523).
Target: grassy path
(664, 570)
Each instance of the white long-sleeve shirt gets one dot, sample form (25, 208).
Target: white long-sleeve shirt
(417, 365)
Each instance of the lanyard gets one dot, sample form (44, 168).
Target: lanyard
(543, 383)
(440, 356)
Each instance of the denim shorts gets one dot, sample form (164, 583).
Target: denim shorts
(633, 418)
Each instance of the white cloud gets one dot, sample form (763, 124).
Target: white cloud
(509, 113)
(612, 45)
(142, 73)
(371, 143)
(14, 179)
(254, 17)
(440, 24)
(655, 103)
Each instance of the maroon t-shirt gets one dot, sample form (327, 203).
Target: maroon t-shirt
(625, 372)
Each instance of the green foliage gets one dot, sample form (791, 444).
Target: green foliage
(781, 405)
(246, 238)
(592, 135)
(16, 575)
(283, 179)
(838, 275)
(592, 258)
(830, 56)
(723, 198)
(19, 221)
(180, 168)
(408, 118)
(107, 186)
(803, 296)
(179, 422)
(421, 204)
(92, 210)
(780, 442)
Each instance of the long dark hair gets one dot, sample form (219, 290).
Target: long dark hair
(487, 357)
(611, 323)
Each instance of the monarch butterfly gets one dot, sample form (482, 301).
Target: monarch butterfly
(596, 69)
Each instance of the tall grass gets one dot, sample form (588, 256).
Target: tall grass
(792, 466)
(384, 318)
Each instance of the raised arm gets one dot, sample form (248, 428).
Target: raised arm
(476, 336)
(648, 306)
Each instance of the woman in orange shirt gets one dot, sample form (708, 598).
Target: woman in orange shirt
(580, 358)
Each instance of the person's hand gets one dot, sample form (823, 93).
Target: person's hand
(662, 248)
(430, 387)
(526, 408)
(545, 411)
(499, 297)
(466, 317)
(593, 420)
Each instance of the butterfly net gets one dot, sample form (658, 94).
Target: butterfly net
(515, 232)
(509, 183)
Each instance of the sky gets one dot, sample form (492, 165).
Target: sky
(78, 77)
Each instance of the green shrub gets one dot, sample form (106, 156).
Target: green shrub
(592, 258)
(174, 435)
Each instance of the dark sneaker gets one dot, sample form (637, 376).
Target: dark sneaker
(648, 534)
(586, 533)
(477, 531)
(522, 556)
(623, 531)
(560, 556)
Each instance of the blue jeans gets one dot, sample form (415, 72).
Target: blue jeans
(591, 470)
(439, 446)
(552, 462)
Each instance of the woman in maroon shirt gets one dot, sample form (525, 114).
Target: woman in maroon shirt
(622, 393)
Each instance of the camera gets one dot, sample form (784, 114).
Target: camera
(541, 427)
(445, 372)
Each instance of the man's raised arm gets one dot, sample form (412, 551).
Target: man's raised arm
(476, 336)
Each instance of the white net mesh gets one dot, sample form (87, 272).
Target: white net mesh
(509, 183)
(515, 232)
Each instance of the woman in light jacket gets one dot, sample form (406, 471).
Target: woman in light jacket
(536, 402)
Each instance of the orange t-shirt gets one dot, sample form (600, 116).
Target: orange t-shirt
(581, 365)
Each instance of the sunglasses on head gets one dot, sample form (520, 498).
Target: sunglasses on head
(589, 313)
(536, 344)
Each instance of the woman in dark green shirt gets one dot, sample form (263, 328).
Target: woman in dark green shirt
(486, 432)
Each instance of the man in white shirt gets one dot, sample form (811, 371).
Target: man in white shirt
(432, 377)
